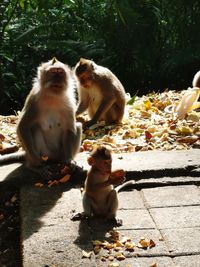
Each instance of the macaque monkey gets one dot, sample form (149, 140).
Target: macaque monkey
(47, 128)
(100, 197)
(100, 92)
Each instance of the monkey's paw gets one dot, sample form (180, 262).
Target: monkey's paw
(116, 221)
(78, 216)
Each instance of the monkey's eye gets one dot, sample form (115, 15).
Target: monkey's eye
(107, 162)
(84, 79)
(89, 78)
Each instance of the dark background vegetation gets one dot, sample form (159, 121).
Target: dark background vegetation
(149, 44)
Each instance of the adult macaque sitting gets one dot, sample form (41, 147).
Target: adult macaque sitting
(100, 93)
(47, 128)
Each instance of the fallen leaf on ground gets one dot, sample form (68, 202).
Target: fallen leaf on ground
(86, 254)
(39, 184)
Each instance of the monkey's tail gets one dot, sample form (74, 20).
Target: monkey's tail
(126, 184)
(13, 157)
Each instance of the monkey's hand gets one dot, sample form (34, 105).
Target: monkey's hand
(117, 177)
(89, 123)
(80, 119)
(118, 173)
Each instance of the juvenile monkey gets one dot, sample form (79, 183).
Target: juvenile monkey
(100, 197)
(47, 128)
(100, 92)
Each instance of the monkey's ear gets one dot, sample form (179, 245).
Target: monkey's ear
(54, 59)
(92, 64)
(82, 61)
(90, 161)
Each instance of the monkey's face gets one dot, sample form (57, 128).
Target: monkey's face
(84, 71)
(54, 76)
(86, 79)
(103, 165)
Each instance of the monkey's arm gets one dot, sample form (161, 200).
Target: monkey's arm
(118, 176)
(81, 108)
(112, 180)
(25, 131)
(105, 105)
(27, 140)
(83, 104)
(71, 143)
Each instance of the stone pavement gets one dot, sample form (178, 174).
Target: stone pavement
(164, 206)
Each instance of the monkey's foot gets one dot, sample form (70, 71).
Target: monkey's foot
(79, 216)
(74, 167)
(51, 171)
(116, 221)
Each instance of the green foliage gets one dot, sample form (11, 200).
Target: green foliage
(149, 44)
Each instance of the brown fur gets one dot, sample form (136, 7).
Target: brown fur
(100, 93)
(100, 197)
(47, 127)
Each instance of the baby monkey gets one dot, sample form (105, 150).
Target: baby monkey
(100, 197)
(100, 93)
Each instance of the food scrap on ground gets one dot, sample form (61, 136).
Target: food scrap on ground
(117, 247)
(149, 125)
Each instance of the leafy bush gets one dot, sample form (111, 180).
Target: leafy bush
(149, 44)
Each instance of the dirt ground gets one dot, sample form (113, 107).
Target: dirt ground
(9, 228)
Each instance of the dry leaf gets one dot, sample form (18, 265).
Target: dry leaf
(161, 238)
(86, 254)
(96, 243)
(2, 137)
(143, 243)
(152, 243)
(148, 124)
(44, 158)
(13, 199)
(113, 264)
(64, 179)
(97, 249)
(129, 245)
(51, 183)
(111, 258)
(39, 184)
(146, 243)
(114, 235)
(120, 256)
(125, 239)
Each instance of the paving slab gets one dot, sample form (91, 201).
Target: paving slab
(50, 238)
(182, 241)
(141, 262)
(176, 217)
(45, 207)
(187, 261)
(151, 160)
(131, 200)
(48, 234)
(6, 170)
(136, 219)
(137, 164)
(172, 196)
